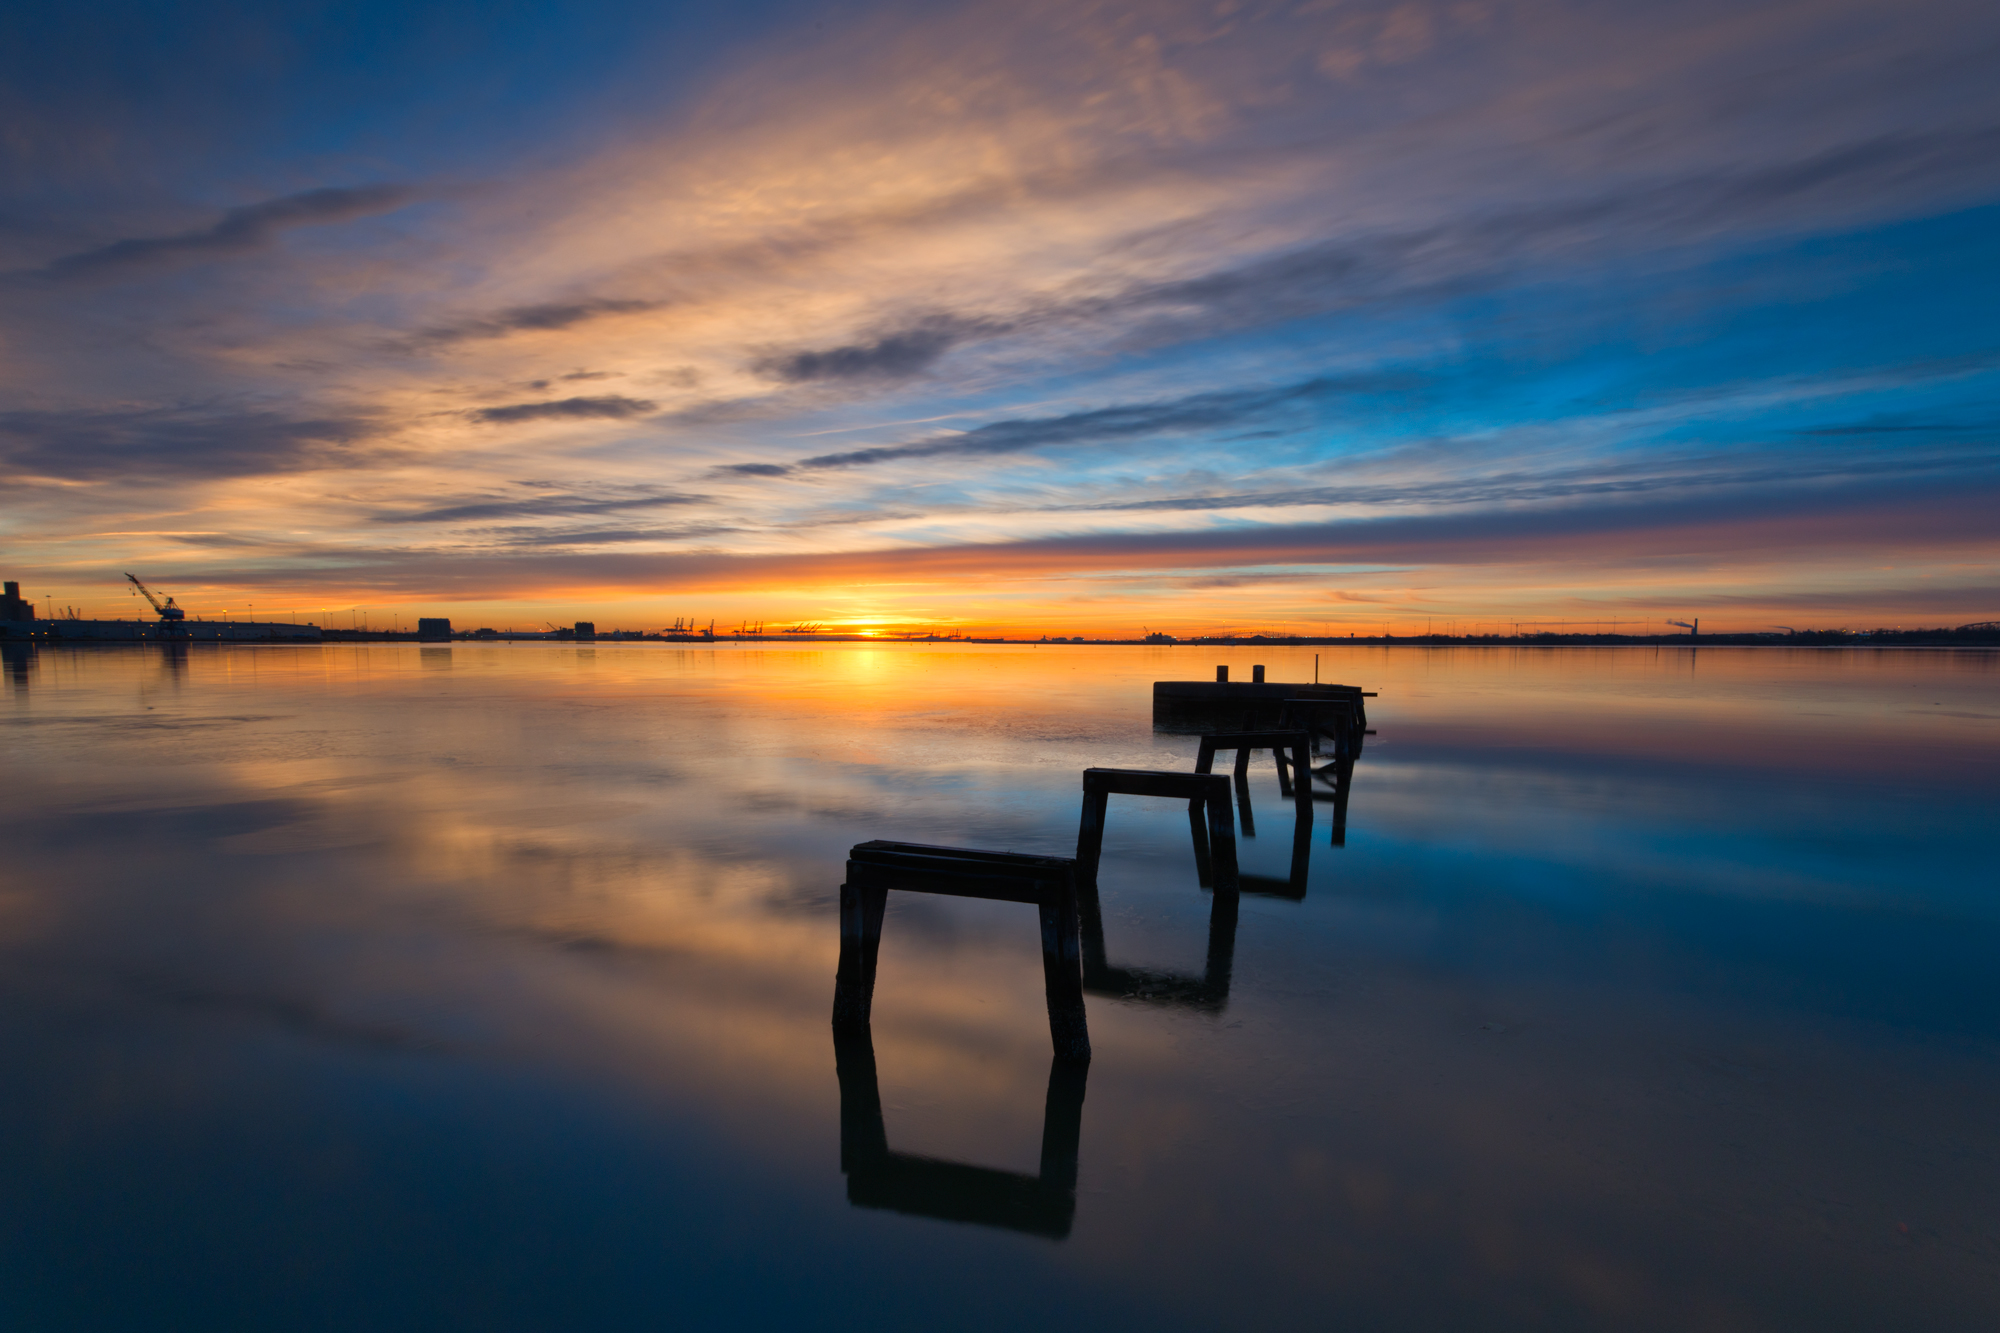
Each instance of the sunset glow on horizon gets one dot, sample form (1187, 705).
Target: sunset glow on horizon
(1101, 319)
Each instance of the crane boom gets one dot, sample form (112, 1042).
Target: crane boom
(168, 611)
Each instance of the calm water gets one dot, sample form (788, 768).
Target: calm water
(486, 987)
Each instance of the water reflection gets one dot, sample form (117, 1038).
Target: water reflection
(1338, 775)
(1043, 1204)
(424, 998)
(1209, 991)
(19, 660)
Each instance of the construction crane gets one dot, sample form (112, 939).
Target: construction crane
(167, 610)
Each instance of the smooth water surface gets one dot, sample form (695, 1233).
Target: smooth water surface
(486, 986)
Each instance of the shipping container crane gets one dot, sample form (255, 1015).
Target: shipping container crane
(168, 611)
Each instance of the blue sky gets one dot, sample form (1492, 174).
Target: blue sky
(1066, 317)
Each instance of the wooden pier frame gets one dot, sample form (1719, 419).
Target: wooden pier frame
(1345, 726)
(1048, 882)
(1043, 1204)
(1298, 744)
(1206, 794)
(1341, 721)
(1295, 784)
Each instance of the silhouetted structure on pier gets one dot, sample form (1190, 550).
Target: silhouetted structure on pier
(1190, 707)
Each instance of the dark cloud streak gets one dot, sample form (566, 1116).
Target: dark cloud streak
(610, 407)
(1703, 531)
(549, 317)
(893, 356)
(541, 506)
(188, 443)
(1482, 252)
(1203, 411)
(1518, 487)
(526, 537)
(241, 231)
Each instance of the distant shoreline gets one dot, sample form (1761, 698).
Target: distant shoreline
(1808, 639)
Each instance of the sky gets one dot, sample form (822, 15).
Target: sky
(1032, 318)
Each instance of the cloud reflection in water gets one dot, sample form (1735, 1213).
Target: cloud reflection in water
(490, 983)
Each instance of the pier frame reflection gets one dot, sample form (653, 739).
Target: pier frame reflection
(1043, 1204)
(1209, 991)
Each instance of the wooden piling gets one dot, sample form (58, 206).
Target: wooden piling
(1242, 776)
(861, 909)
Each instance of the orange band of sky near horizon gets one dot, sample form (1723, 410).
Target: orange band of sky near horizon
(1026, 319)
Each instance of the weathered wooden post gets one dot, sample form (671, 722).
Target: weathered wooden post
(1242, 780)
(1221, 840)
(1204, 869)
(1090, 834)
(1343, 784)
(1062, 975)
(861, 908)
